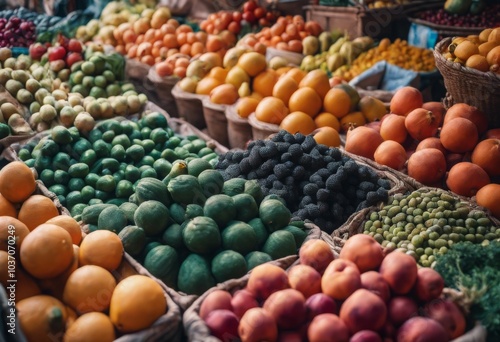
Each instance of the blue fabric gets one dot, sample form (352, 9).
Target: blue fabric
(385, 76)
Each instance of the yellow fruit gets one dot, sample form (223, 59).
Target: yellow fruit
(137, 302)
(101, 248)
(92, 326)
(252, 63)
(373, 109)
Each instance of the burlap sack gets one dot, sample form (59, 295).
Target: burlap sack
(189, 106)
(239, 130)
(215, 118)
(159, 90)
(261, 130)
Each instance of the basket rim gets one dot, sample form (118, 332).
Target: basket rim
(448, 65)
(256, 123)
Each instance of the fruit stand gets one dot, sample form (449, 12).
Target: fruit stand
(265, 171)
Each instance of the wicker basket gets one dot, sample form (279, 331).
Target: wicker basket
(215, 118)
(160, 90)
(189, 106)
(239, 131)
(470, 86)
(261, 130)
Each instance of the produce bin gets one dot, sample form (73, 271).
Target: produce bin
(359, 21)
(470, 86)
(261, 130)
(239, 130)
(215, 117)
(189, 106)
(160, 91)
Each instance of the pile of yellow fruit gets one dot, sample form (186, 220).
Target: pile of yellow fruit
(480, 52)
(398, 53)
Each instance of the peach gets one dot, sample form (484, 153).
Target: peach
(374, 282)
(216, 300)
(436, 108)
(400, 271)
(287, 307)
(448, 315)
(421, 329)
(317, 254)
(364, 251)
(429, 284)
(327, 327)
(400, 309)
(363, 310)
(318, 304)
(223, 324)
(266, 279)
(341, 279)
(242, 301)
(305, 279)
(365, 336)
(257, 325)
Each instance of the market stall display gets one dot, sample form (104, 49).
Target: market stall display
(230, 169)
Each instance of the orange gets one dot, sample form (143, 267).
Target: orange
(10, 226)
(37, 209)
(466, 49)
(253, 63)
(327, 136)
(70, 225)
(297, 74)
(7, 208)
(17, 182)
(102, 248)
(264, 82)
(478, 62)
(337, 102)
(206, 84)
(137, 302)
(89, 288)
(246, 106)
(41, 318)
(271, 110)
(328, 120)
(92, 326)
(318, 80)
(46, 251)
(55, 286)
(224, 94)
(306, 100)
(298, 122)
(284, 88)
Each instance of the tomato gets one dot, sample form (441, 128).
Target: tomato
(72, 58)
(234, 27)
(56, 53)
(264, 22)
(237, 16)
(249, 6)
(74, 45)
(259, 12)
(249, 17)
(37, 50)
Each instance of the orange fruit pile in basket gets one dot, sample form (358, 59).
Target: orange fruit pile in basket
(66, 283)
(480, 52)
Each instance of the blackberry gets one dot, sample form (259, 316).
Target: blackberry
(383, 194)
(315, 178)
(302, 214)
(334, 183)
(252, 175)
(313, 210)
(237, 156)
(245, 166)
(351, 167)
(311, 189)
(324, 207)
(277, 185)
(367, 186)
(332, 167)
(299, 137)
(281, 171)
(322, 149)
(233, 170)
(384, 183)
(330, 226)
(305, 201)
(268, 151)
(308, 144)
(279, 137)
(323, 173)
(255, 159)
(317, 163)
(289, 181)
(305, 161)
(285, 157)
(289, 164)
(327, 159)
(272, 177)
(323, 195)
(335, 154)
(295, 151)
(228, 155)
(223, 164)
(298, 172)
(360, 194)
(289, 138)
(261, 173)
(282, 147)
(372, 197)
(268, 166)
